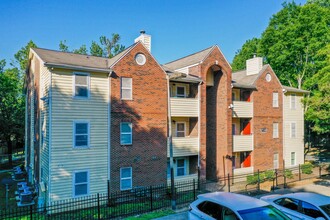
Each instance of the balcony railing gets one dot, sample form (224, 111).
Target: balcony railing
(244, 170)
(242, 109)
(242, 143)
(184, 107)
(184, 146)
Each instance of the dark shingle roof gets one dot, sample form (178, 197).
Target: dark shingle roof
(181, 77)
(59, 58)
(241, 80)
(189, 60)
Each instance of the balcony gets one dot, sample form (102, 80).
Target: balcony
(242, 171)
(242, 109)
(242, 143)
(184, 107)
(184, 146)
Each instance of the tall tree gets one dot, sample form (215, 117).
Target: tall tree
(81, 50)
(22, 56)
(249, 48)
(96, 50)
(111, 46)
(63, 46)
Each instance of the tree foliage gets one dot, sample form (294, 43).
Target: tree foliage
(248, 50)
(105, 48)
(22, 56)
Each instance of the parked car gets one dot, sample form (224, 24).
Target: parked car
(231, 206)
(303, 205)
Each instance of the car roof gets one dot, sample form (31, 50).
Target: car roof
(313, 198)
(233, 201)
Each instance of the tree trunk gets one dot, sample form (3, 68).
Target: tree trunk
(10, 152)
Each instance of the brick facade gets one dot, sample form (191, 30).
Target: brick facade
(148, 114)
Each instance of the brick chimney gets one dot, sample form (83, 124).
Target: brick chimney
(145, 39)
(254, 65)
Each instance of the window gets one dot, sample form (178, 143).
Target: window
(181, 91)
(275, 130)
(126, 178)
(311, 210)
(180, 129)
(81, 134)
(293, 101)
(125, 133)
(126, 88)
(81, 183)
(293, 158)
(288, 203)
(275, 161)
(275, 99)
(181, 167)
(211, 209)
(293, 130)
(81, 85)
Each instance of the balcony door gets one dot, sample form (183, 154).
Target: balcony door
(180, 129)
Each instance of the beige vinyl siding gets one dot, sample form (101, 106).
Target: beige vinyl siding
(65, 159)
(293, 116)
(44, 123)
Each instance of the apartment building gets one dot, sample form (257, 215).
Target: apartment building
(94, 124)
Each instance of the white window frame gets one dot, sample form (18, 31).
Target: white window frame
(184, 166)
(275, 100)
(293, 159)
(126, 133)
(74, 133)
(74, 85)
(184, 128)
(293, 130)
(275, 130)
(184, 91)
(293, 101)
(74, 184)
(126, 178)
(130, 88)
(276, 160)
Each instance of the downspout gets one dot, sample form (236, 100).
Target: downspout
(109, 126)
(26, 122)
(283, 127)
(50, 135)
(199, 132)
(173, 201)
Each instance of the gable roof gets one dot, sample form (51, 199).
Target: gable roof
(241, 80)
(53, 58)
(181, 77)
(190, 59)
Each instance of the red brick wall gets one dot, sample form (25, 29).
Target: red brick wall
(264, 115)
(216, 117)
(148, 113)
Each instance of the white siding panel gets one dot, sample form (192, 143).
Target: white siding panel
(242, 143)
(65, 158)
(184, 107)
(184, 146)
(293, 116)
(243, 109)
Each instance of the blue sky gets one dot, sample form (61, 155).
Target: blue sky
(177, 27)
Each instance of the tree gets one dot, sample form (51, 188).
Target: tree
(249, 48)
(63, 47)
(81, 50)
(22, 56)
(96, 50)
(12, 107)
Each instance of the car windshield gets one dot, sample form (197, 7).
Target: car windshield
(264, 213)
(326, 209)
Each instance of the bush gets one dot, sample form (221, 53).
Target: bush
(288, 174)
(307, 168)
(270, 174)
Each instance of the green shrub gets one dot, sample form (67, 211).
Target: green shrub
(252, 179)
(307, 168)
(270, 174)
(288, 174)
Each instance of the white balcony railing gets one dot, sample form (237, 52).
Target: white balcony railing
(184, 107)
(242, 143)
(242, 109)
(184, 146)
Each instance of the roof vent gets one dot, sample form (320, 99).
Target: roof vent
(145, 39)
(254, 65)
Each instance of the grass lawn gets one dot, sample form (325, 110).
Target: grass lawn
(11, 193)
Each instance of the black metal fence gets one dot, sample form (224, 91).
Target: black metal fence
(142, 200)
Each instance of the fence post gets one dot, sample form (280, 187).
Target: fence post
(151, 205)
(194, 188)
(228, 182)
(108, 192)
(299, 173)
(320, 170)
(284, 175)
(98, 207)
(276, 172)
(31, 212)
(258, 186)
